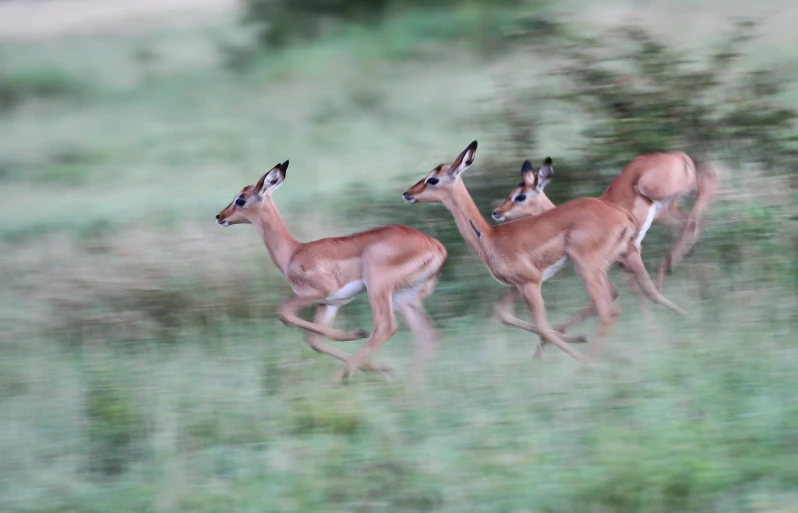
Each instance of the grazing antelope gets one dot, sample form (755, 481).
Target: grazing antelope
(649, 187)
(523, 253)
(397, 266)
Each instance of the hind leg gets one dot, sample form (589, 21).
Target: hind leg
(408, 303)
(583, 314)
(598, 287)
(686, 240)
(671, 216)
(688, 236)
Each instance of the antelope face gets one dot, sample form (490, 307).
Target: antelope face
(251, 196)
(528, 198)
(234, 212)
(437, 185)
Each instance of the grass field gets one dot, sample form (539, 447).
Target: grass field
(142, 364)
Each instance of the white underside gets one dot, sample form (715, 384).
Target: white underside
(345, 294)
(554, 269)
(656, 208)
(348, 292)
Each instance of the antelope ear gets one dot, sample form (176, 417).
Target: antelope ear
(463, 161)
(545, 173)
(528, 177)
(272, 180)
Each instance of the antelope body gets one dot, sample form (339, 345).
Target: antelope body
(397, 266)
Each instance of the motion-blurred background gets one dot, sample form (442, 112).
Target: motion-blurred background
(142, 365)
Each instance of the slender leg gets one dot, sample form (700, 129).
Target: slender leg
(384, 329)
(671, 216)
(504, 311)
(288, 315)
(423, 331)
(534, 300)
(707, 186)
(583, 314)
(634, 264)
(325, 314)
(684, 242)
(599, 289)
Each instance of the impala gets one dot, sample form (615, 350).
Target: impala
(397, 266)
(650, 187)
(523, 253)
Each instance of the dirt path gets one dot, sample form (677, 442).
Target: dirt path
(42, 19)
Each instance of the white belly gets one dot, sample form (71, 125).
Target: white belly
(656, 208)
(551, 271)
(346, 293)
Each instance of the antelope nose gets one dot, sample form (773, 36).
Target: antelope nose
(217, 216)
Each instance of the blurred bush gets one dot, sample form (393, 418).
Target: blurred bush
(280, 21)
(644, 95)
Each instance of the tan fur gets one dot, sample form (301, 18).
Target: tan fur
(662, 177)
(591, 232)
(397, 265)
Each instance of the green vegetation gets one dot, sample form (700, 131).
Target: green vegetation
(142, 364)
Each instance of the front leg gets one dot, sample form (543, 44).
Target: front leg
(288, 315)
(325, 314)
(384, 328)
(534, 300)
(504, 311)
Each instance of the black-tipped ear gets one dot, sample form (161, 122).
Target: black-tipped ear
(464, 160)
(526, 167)
(271, 180)
(545, 174)
(469, 154)
(528, 177)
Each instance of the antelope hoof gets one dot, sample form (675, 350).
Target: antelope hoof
(386, 372)
(343, 375)
(576, 339)
(359, 334)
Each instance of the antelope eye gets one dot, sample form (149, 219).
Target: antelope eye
(240, 202)
(520, 198)
(432, 180)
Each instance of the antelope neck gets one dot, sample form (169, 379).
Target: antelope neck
(473, 227)
(279, 242)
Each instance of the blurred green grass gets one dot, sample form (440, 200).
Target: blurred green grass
(142, 366)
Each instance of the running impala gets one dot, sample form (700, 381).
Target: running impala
(397, 266)
(524, 253)
(650, 187)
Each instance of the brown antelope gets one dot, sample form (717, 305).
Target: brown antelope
(523, 253)
(397, 266)
(650, 187)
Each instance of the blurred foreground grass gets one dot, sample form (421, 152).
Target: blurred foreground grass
(142, 366)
